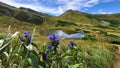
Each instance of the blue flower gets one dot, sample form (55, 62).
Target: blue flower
(72, 42)
(47, 51)
(26, 38)
(57, 42)
(52, 37)
(49, 46)
(21, 39)
(26, 34)
(70, 45)
(44, 56)
(54, 41)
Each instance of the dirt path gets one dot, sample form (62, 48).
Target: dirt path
(117, 60)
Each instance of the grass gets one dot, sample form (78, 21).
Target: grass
(95, 50)
(87, 54)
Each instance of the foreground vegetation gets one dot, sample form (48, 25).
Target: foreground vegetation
(19, 50)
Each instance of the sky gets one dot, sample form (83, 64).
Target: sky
(57, 7)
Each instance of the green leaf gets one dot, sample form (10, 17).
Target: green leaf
(25, 60)
(33, 61)
(4, 46)
(53, 65)
(69, 51)
(42, 49)
(8, 41)
(74, 66)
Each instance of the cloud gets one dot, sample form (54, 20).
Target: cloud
(77, 4)
(35, 6)
(100, 11)
(54, 7)
(86, 9)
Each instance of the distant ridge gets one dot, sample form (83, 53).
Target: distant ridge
(70, 16)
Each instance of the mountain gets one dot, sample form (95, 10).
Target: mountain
(77, 16)
(34, 17)
(70, 21)
(23, 18)
(80, 17)
(22, 14)
(112, 18)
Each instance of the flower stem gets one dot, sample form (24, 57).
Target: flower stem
(25, 59)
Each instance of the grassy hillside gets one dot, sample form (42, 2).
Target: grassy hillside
(95, 50)
(71, 21)
(78, 17)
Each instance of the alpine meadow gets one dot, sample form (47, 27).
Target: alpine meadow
(74, 39)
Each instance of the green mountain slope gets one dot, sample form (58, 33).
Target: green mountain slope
(112, 18)
(104, 27)
(70, 16)
(23, 14)
(20, 14)
(24, 18)
(95, 26)
(76, 16)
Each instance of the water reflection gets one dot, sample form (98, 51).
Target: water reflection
(59, 34)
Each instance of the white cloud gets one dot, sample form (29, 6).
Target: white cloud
(100, 11)
(86, 9)
(76, 4)
(34, 6)
(63, 5)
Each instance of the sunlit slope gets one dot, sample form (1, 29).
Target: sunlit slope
(95, 26)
